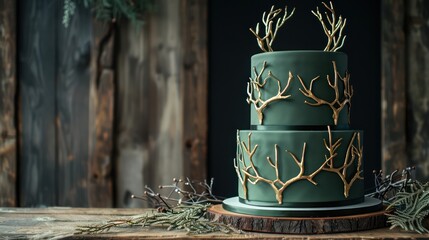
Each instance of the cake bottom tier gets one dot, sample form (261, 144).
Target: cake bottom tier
(300, 168)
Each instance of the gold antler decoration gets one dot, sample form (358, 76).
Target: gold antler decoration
(255, 85)
(266, 42)
(337, 104)
(277, 184)
(353, 153)
(240, 160)
(335, 41)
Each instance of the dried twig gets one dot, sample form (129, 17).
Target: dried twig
(186, 192)
(266, 41)
(387, 187)
(334, 31)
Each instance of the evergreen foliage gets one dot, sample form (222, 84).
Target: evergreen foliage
(69, 10)
(109, 10)
(191, 218)
(411, 208)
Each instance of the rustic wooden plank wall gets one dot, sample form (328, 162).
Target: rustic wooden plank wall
(405, 54)
(108, 108)
(194, 40)
(162, 99)
(67, 107)
(133, 107)
(418, 84)
(73, 48)
(37, 74)
(393, 85)
(101, 116)
(8, 141)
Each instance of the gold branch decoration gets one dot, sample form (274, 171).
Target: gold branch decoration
(334, 31)
(354, 153)
(239, 162)
(278, 185)
(255, 85)
(339, 102)
(266, 41)
(332, 148)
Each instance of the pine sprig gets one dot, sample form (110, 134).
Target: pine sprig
(191, 218)
(410, 208)
(109, 10)
(69, 11)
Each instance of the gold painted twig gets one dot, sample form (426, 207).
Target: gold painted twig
(339, 102)
(332, 148)
(266, 41)
(278, 185)
(238, 163)
(255, 85)
(334, 31)
(354, 152)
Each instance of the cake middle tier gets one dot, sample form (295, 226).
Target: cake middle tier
(299, 88)
(320, 168)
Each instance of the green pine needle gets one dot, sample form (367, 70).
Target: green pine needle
(411, 208)
(191, 218)
(69, 11)
(109, 10)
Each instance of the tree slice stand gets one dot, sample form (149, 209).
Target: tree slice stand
(369, 218)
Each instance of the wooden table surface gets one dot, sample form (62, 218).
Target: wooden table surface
(60, 223)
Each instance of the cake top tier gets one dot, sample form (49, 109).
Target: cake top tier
(299, 89)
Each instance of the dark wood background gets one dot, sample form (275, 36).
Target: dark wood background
(405, 81)
(100, 107)
(91, 113)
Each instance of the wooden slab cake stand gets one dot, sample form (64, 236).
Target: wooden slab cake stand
(299, 225)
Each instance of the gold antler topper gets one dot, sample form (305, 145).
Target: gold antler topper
(336, 26)
(266, 42)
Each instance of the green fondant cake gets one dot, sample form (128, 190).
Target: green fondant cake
(300, 151)
(300, 157)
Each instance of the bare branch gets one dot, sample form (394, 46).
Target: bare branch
(265, 42)
(181, 192)
(336, 26)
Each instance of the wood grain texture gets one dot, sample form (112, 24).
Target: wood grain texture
(134, 109)
(323, 225)
(394, 155)
(165, 94)
(72, 108)
(162, 99)
(8, 83)
(417, 14)
(101, 117)
(37, 69)
(195, 76)
(50, 223)
(69, 95)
